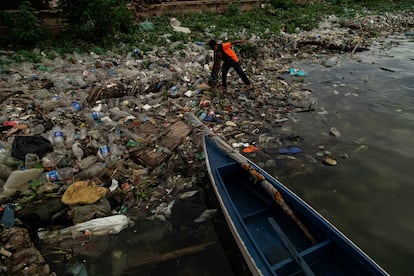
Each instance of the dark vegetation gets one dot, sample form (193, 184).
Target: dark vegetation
(106, 24)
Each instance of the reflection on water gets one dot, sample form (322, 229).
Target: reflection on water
(184, 244)
(369, 195)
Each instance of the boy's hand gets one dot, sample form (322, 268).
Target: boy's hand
(212, 81)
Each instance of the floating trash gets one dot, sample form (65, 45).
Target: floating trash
(334, 132)
(296, 72)
(330, 161)
(250, 149)
(290, 150)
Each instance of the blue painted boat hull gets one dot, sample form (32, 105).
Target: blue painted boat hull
(249, 210)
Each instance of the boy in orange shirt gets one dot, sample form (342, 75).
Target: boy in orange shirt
(223, 52)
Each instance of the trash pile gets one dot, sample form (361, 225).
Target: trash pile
(347, 35)
(89, 140)
(91, 136)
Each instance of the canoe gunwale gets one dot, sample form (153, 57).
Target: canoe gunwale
(239, 241)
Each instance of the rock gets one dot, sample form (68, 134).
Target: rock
(330, 161)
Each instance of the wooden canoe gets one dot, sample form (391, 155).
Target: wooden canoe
(277, 232)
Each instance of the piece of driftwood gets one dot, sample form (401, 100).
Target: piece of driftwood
(158, 258)
(5, 252)
(114, 89)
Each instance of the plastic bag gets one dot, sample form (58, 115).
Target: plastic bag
(23, 145)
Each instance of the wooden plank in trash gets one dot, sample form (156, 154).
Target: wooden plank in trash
(151, 156)
(175, 137)
(148, 131)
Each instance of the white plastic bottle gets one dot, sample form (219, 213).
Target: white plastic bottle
(57, 136)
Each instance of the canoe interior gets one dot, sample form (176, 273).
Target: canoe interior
(248, 207)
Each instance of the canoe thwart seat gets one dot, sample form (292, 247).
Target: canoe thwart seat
(291, 248)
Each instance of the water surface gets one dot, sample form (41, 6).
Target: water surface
(369, 195)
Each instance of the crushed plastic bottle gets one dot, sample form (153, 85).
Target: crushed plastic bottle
(103, 152)
(87, 162)
(173, 92)
(70, 134)
(97, 115)
(91, 171)
(8, 160)
(65, 174)
(52, 176)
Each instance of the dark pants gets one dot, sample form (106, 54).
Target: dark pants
(236, 65)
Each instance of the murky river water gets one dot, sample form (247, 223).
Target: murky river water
(369, 195)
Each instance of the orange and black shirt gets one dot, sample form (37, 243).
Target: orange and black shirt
(224, 53)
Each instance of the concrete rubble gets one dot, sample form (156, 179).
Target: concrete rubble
(113, 127)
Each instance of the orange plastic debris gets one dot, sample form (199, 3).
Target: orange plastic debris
(250, 149)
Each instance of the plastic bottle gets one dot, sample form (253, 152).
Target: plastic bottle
(103, 152)
(58, 100)
(98, 108)
(8, 160)
(65, 173)
(96, 116)
(112, 73)
(132, 136)
(83, 133)
(87, 162)
(199, 91)
(202, 115)
(76, 106)
(77, 151)
(70, 134)
(37, 129)
(90, 172)
(30, 160)
(57, 136)
(52, 176)
(5, 171)
(115, 151)
(173, 92)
